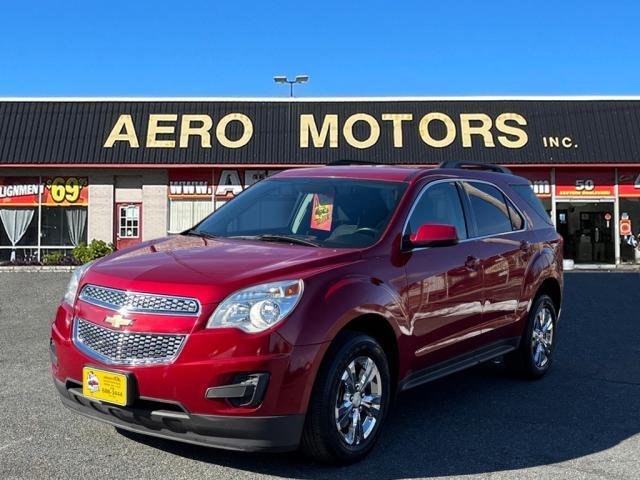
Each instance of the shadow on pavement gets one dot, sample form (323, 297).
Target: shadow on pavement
(482, 421)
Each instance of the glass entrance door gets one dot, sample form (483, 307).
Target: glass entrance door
(587, 229)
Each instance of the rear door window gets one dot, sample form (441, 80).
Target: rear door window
(489, 207)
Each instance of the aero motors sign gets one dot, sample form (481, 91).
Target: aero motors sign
(585, 183)
(358, 130)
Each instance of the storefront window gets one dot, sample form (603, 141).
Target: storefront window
(587, 229)
(190, 198)
(629, 226)
(63, 226)
(38, 213)
(184, 214)
(630, 230)
(19, 232)
(585, 204)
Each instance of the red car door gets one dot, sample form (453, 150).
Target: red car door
(444, 284)
(503, 250)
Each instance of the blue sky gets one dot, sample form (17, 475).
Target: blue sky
(233, 48)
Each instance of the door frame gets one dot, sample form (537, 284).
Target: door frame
(577, 201)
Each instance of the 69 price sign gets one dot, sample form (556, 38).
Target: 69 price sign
(66, 191)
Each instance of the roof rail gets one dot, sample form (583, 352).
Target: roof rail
(339, 163)
(478, 165)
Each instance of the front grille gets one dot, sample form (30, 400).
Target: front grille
(126, 348)
(137, 302)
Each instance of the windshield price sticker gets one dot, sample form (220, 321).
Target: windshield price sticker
(322, 212)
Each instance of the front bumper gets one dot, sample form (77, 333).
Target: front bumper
(182, 400)
(244, 433)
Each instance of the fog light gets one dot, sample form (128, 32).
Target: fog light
(53, 354)
(247, 390)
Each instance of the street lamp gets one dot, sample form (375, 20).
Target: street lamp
(298, 79)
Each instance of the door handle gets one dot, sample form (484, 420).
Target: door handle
(525, 246)
(472, 263)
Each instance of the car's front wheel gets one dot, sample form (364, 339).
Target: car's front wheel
(349, 401)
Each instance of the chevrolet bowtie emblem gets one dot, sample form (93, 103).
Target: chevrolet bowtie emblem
(118, 321)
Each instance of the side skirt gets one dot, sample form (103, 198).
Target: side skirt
(458, 363)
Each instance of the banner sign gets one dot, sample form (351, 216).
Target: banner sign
(65, 191)
(230, 182)
(50, 191)
(585, 183)
(194, 184)
(629, 182)
(221, 184)
(20, 191)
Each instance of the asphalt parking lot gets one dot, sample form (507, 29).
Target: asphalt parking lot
(581, 421)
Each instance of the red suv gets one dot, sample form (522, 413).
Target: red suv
(293, 315)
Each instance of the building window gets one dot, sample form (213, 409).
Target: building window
(630, 230)
(63, 226)
(184, 214)
(19, 236)
(40, 214)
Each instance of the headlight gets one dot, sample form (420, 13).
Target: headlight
(74, 282)
(257, 308)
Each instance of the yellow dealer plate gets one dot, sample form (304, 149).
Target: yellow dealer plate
(106, 386)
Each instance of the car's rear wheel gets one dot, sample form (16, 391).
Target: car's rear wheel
(534, 356)
(349, 401)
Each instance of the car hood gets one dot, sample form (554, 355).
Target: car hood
(209, 269)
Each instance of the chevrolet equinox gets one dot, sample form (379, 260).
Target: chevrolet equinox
(292, 316)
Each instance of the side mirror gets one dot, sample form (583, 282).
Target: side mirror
(434, 235)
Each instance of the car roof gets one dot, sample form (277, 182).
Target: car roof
(397, 173)
(360, 172)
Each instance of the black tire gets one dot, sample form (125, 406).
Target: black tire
(321, 439)
(523, 361)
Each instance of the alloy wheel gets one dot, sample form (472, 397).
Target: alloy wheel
(358, 401)
(542, 336)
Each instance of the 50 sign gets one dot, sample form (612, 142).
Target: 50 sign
(66, 191)
(587, 185)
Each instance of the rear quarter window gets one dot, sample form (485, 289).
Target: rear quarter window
(525, 192)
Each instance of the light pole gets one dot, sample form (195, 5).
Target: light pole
(298, 79)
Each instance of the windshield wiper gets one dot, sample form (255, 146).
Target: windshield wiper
(196, 233)
(269, 237)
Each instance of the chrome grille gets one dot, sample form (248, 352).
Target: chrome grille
(126, 348)
(137, 302)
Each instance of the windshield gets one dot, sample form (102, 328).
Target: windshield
(326, 212)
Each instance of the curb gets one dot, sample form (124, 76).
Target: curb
(38, 268)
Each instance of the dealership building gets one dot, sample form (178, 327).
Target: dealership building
(126, 170)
